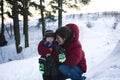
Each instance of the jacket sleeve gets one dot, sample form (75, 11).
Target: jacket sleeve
(42, 50)
(74, 57)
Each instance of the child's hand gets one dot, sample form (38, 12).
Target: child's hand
(48, 55)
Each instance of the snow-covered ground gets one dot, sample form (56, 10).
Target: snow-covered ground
(101, 44)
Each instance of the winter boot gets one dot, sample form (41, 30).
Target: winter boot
(45, 77)
(83, 77)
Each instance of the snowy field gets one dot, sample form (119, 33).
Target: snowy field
(101, 43)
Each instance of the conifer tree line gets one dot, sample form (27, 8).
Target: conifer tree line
(21, 7)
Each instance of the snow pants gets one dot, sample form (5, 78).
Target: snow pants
(51, 69)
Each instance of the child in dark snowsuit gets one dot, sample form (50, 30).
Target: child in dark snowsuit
(48, 66)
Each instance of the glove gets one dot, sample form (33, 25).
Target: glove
(61, 53)
(41, 68)
(41, 64)
(62, 56)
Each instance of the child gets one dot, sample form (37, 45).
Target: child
(48, 66)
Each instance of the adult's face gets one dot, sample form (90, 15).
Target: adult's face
(60, 40)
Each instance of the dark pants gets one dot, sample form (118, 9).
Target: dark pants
(74, 73)
(51, 71)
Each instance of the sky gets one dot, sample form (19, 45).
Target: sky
(99, 6)
(102, 5)
(94, 6)
(101, 44)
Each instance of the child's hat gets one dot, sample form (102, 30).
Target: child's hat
(49, 33)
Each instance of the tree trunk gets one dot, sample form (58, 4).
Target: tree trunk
(25, 19)
(42, 16)
(2, 16)
(60, 13)
(16, 26)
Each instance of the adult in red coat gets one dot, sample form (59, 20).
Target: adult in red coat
(73, 62)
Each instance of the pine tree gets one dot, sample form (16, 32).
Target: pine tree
(16, 26)
(42, 16)
(25, 19)
(2, 16)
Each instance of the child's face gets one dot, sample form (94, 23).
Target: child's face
(49, 39)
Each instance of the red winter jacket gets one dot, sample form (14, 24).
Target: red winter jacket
(42, 49)
(74, 53)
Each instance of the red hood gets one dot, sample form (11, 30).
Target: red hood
(75, 30)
